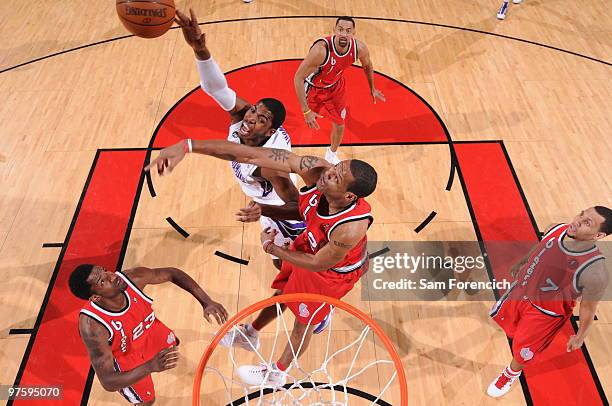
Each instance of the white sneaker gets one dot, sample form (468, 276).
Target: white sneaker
(331, 157)
(262, 375)
(517, 1)
(502, 384)
(501, 14)
(234, 338)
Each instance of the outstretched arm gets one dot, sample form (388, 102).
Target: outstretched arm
(212, 80)
(309, 65)
(368, 69)
(308, 167)
(342, 240)
(95, 337)
(147, 276)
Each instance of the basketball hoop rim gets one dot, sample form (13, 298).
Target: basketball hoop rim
(300, 297)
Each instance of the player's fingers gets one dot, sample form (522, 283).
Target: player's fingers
(218, 318)
(170, 365)
(172, 350)
(148, 167)
(160, 166)
(170, 360)
(173, 354)
(206, 316)
(194, 18)
(180, 15)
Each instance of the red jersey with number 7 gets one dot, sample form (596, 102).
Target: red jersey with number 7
(320, 225)
(550, 279)
(134, 331)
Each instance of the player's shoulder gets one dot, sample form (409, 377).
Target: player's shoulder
(319, 47)
(280, 139)
(136, 276)
(361, 46)
(551, 228)
(596, 276)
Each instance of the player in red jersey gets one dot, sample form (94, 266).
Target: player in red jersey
(563, 266)
(124, 339)
(319, 81)
(328, 258)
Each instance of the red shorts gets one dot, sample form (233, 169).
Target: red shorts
(530, 328)
(292, 279)
(157, 338)
(330, 102)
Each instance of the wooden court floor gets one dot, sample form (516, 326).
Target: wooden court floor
(538, 83)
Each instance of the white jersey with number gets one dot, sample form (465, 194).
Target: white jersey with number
(258, 188)
(261, 190)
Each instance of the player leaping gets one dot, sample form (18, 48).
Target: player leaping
(328, 258)
(258, 124)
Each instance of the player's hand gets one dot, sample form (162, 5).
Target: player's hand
(191, 30)
(215, 310)
(165, 359)
(574, 343)
(168, 158)
(377, 94)
(311, 119)
(268, 234)
(250, 213)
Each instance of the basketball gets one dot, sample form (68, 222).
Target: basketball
(146, 18)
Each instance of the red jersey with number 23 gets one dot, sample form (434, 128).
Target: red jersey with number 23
(134, 332)
(319, 227)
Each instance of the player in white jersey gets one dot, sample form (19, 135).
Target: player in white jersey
(256, 124)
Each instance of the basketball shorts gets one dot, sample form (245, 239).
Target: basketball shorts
(293, 279)
(330, 103)
(157, 339)
(286, 230)
(531, 329)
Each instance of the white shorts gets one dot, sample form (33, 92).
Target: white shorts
(287, 230)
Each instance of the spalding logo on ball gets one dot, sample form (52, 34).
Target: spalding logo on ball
(146, 18)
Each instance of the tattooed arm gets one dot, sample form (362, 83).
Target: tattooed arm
(95, 337)
(341, 241)
(308, 167)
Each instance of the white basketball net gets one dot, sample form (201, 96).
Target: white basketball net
(303, 390)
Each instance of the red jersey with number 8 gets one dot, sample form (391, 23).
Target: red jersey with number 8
(319, 227)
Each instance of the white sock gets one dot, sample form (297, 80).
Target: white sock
(512, 372)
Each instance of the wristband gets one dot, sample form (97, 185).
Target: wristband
(307, 112)
(266, 244)
(187, 145)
